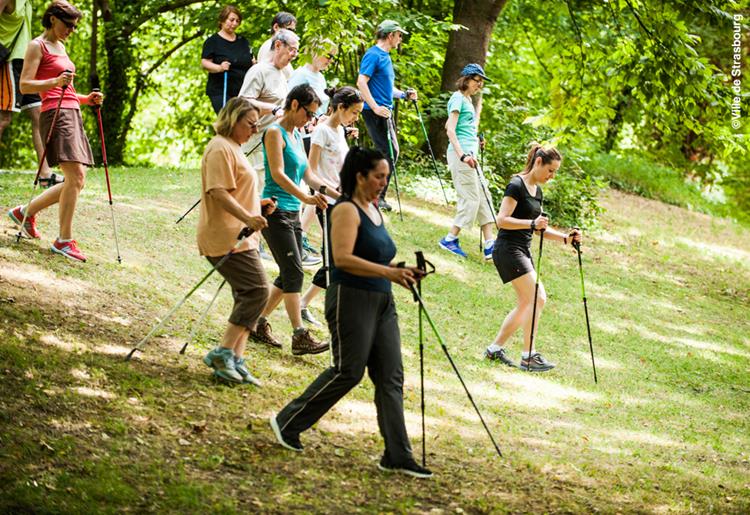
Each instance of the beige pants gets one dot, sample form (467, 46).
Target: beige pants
(472, 203)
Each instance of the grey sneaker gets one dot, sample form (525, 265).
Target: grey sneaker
(536, 363)
(309, 318)
(262, 334)
(305, 343)
(241, 368)
(222, 361)
(310, 260)
(499, 355)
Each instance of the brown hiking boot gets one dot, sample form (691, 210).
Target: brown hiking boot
(262, 334)
(305, 343)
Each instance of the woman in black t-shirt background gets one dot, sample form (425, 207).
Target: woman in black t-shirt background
(519, 217)
(227, 57)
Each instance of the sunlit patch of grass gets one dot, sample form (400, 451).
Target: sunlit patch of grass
(663, 430)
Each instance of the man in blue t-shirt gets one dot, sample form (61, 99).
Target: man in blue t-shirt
(376, 83)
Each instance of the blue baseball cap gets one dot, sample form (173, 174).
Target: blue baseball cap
(474, 69)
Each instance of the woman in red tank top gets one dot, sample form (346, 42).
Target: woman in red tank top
(47, 68)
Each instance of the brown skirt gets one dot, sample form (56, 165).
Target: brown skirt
(68, 142)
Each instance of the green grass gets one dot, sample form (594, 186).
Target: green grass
(665, 430)
(635, 174)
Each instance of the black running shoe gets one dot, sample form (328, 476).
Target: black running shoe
(499, 355)
(290, 442)
(536, 363)
(409, 467)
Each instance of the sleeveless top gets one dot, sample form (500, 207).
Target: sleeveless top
(295, 164)
(51, 66)
(373, 244)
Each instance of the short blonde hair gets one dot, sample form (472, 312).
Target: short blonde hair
(234, 110)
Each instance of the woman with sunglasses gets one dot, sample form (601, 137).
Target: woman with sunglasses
(46, 70)
(286, 165)
(473, 197)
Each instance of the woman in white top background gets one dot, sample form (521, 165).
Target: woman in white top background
(327, 153)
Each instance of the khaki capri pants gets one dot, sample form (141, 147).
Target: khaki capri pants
(471, 204)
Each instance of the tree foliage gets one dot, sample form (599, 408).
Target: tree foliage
(614, 76)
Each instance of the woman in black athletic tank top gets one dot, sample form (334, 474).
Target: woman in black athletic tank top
(361, 316)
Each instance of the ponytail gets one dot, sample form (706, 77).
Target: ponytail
(548, 154)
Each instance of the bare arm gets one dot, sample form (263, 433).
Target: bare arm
(344, 226)
(212, 67)
(450, 129)
(505, 221)
(274, 144)
(234, 208)
(311, 175)
(28, 83)
(364, 89)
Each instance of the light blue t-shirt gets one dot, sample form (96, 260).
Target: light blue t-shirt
(295, 164)
(466, 128)
(304, 75)
(377, 64)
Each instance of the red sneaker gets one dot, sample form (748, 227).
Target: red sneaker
(29, 228)
(68, 249)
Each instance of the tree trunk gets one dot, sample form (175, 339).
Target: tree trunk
(464, 47)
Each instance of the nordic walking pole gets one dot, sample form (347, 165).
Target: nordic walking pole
(41, 161)
(326, 256)
(455, 369)
(224, 98)
(429, 147)
(199, 200)
(98, 109)
(536, 287)
(577, 246)
(188, 211)
(241, 237)
(244, 233)
(389, 124)
(203, 316)
(422, 265)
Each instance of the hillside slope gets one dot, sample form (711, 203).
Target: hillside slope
(665, 429)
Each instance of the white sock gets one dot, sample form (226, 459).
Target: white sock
(63, 241)
(494, 347)
(450, 237)
(527, 355)
(488, 244)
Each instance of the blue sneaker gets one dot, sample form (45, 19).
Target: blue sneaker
(452, 246)
(241, 368)
(222, 361)
(488, 253)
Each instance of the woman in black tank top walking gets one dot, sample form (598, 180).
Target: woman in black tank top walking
(361, 316)
(519, 217)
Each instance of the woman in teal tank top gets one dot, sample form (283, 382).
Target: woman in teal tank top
(286, 166)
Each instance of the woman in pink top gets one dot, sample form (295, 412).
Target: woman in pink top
(46, 69)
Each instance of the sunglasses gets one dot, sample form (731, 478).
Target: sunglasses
(310, 114)
(70, 24)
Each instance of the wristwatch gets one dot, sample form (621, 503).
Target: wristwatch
(323, 189)
(533, 225)
(275, 110)
(463, 157)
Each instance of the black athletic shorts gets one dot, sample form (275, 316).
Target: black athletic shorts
(511, 260)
